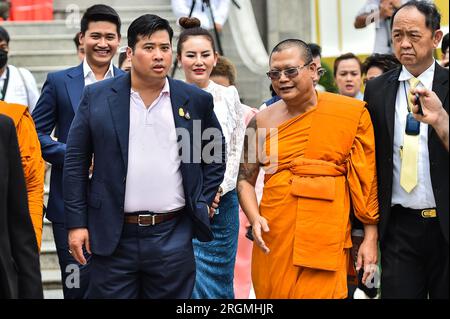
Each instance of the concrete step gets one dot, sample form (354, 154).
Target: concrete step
(48, 256)
(67, 26)
(43, 57)
(51, 279)
(128, 12)
(60, 5)
(53, 294)
(47, 233)
(42, 42)
(39, 42)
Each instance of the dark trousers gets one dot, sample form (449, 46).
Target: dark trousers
(414, 257)
(151, 262)
(75, 277)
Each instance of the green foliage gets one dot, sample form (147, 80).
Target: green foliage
(327, 80)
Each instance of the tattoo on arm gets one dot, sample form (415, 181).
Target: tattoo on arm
(249, 168)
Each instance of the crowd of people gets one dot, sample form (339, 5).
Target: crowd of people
(169, 189)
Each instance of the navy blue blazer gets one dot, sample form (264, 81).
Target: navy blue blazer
(101, 128)
(56, 109)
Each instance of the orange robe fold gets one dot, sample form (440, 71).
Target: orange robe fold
(323, 164)
(32, 162)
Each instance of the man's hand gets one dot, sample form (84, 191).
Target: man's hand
(77, 238)
(433, 112)
(367, 258)
(215, 204)
(396, 4)
(219, 27)
(386, 9)
(260, 225)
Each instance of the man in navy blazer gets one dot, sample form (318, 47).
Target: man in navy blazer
(159, 158)
(61, 94)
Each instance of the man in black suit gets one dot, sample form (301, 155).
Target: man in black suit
(412, 161)
(20, 275)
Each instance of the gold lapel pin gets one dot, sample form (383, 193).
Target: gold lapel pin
(181, 112)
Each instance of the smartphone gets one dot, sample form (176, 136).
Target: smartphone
(419, 104)
(370, 292)
(249, 233)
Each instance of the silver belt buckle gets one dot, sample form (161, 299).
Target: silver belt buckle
(146, 225)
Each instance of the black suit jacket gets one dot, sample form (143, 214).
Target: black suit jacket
(380, 96)
(101, 128)
(20, 275)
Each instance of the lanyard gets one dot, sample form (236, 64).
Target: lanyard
(5, 85)
(406, 95)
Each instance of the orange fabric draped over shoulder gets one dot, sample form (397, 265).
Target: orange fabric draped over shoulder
(32, 162)
(324, 166)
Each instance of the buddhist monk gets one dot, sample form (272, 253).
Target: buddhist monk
(32, 163)
(318, 152)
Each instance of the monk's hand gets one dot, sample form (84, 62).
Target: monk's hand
(368, 259)
(77, 238)
(258, 226)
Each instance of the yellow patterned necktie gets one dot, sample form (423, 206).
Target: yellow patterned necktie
(410, 151)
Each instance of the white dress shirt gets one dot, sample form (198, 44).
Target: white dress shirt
(422, 195)
(154, 182)
(220, 9)
(229, 112)
(22, 88)
(89, 76)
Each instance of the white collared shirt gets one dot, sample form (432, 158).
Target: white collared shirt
(22, 88)
(422, 195)
(89, 76)
(154, 182)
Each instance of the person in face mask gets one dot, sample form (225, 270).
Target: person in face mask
(17, 85)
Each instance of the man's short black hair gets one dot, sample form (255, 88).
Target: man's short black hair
(428, 9)
(384, 62)
(346, 56)
(76, 40)
(122, 58)
(4, 35)
(316, 50)
(289, 43)
(444, 46)
(100, 12)
(145, 26)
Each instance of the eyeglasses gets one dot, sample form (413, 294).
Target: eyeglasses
(321, 72)
(290, 73)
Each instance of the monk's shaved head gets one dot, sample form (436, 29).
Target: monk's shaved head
(294, 43)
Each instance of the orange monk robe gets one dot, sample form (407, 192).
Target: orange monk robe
(32, 162)
(324, 164)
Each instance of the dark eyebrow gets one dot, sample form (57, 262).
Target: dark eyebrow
(153, 43)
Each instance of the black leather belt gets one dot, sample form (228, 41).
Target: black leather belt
(424, 213)
(149, 218)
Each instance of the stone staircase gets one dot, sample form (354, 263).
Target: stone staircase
(43, 47)
(51, 274)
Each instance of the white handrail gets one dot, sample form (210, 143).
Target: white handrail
(247, 38)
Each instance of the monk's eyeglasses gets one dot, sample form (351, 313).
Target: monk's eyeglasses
(290, 73)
